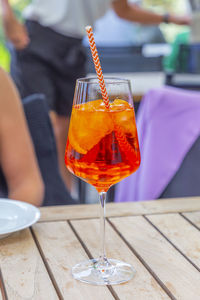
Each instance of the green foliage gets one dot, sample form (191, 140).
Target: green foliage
(164, 4)
(18, 6)
(179, 7)
(4, 54)
(172, 62)
(4, 57)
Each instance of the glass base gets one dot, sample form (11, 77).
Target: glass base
(110, 272)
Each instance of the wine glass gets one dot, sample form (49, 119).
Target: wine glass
(102, 149)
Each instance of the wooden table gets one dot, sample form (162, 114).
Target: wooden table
(161, 239)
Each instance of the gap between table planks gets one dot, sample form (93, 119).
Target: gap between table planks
(193, 217)
(173, 269)
(61, 249)
(23, 271)
(69, 251)
(183, 235)
(3, 295)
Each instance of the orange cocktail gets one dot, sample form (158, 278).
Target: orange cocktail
(102, 146)
(102, 149)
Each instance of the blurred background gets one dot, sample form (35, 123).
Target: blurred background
(131, 37)
(157, 55)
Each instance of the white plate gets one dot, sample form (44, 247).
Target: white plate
(16, 215)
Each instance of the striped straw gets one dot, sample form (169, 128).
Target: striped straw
(121, 138)
(97, 65)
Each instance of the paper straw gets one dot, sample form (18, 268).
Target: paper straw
(97, 65)
(121, 138)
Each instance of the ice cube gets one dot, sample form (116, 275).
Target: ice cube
(89, 123)
(125, 116)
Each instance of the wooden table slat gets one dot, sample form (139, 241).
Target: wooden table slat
(62, 250)
(23, 271)
(176, 273)
(3, 295)
(120, 209)
(1, 290)
(181, 233)
(143, 286)
(194, 217)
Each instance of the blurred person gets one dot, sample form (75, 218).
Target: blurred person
(122, 33)
(47, 52)
(17, 158)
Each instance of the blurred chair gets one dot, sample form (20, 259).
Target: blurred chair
(186, 73)
(3, 186)
(124, 59)
(188, 60)
(37, 115)
(169, 136)
(185, 182)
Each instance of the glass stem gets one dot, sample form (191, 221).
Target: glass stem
(102, 198)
